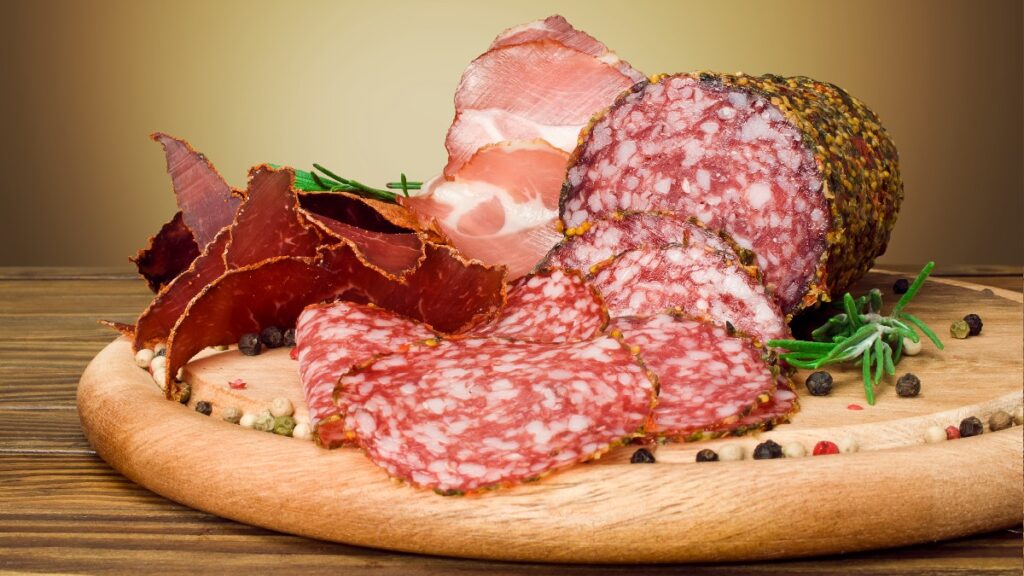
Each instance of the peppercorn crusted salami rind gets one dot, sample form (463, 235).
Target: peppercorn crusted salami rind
(779, 408)
(470, 414)
(553, 306)
(333, 338)
(207, 202)
(795, 169)
(595, 241)
(708, 377)
(167, 255)
(697, 279)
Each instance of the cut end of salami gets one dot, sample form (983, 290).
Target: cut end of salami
(708, 378)
(695, 279)
(554, 306)
(793, 169)
(465, 415)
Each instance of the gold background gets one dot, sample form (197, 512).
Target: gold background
(366, 88)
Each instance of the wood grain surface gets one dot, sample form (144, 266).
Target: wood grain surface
(64, 510)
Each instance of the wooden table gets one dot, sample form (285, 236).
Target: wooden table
(62, 509)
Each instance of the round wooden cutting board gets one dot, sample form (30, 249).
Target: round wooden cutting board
(895, 490)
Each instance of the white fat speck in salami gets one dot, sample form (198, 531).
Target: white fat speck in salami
(550, 306)
(697, 280)
(708, 378)
(332, 338)
(513, 411)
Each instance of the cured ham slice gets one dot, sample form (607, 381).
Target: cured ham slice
(536, 89)
(502, 205)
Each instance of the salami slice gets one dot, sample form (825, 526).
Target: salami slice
(708, 378)
(464, 415)
(333, 338)
(794, 169)
(779, 409)
(598, 240)
(695, 279)
(552, 306)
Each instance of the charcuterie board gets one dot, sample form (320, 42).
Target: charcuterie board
(894, 490)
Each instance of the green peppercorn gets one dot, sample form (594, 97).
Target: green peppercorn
(271, 337)
(284, 425)
(908, 386)
(901, 286)
(959, 329)
(642, 456)
(767, 450)
(249, 344)
(288, 339)
(1000, 420)
(264, 422)
(974, 323)
(184, 392)
(971, 426)
(204, 407)
(819, 383)
(707, 455)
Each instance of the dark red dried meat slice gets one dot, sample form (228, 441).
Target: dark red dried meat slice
(333, 338)
(707, 377)
(206, 201)
(794, 169)
(269, 223)
(168, 254)
(601, 239)
(156, 321)
(393, 254)
(554, 306)
(463, 415)
(697, 280)
(365, 213)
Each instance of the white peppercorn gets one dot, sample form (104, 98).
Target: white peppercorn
(934, 435)
(143, 357)
(281, 406)
(794, 450)
(730, 452)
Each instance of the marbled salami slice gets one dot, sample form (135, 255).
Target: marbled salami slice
(697, 280)
(464, 415)
(553, 306)
(601, 239)
(708, 378)
(794, 169)
(333, 338)
(779, 409)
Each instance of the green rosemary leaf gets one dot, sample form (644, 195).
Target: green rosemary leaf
(869, 389)
(890, 366)
(898, 352)
(879, 360)
(802, 345)
(875, 296)
(913, 289)
(923, 327)
(851, 310)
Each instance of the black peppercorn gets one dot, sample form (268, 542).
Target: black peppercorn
(971, 426)
(908, 386)
(271, 337)
(819, 383)
(288, 339)
(249, 344)
(901, 286)
(974, 323)
(729, 328)
(707, 455)
(642, 456)
(767, 450)
(204, 407)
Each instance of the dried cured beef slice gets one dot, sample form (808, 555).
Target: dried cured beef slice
(537, 89)
(695, 279)
(464, 415)
(553, 306)
(168, 254)
(501, 207)
(206, 201)
(330, 340)
(707, 377)
(599, 240)
(794, 169)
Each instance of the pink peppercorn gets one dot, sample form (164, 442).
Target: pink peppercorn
(952, 432)
(824, 448)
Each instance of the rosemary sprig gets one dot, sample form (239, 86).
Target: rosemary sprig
(321, 179)
(863, 334)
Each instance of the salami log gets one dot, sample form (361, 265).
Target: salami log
(464, 415)
(697, 280)
(333, 338)
(553, 306)
(708, 378)
(794, 169)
